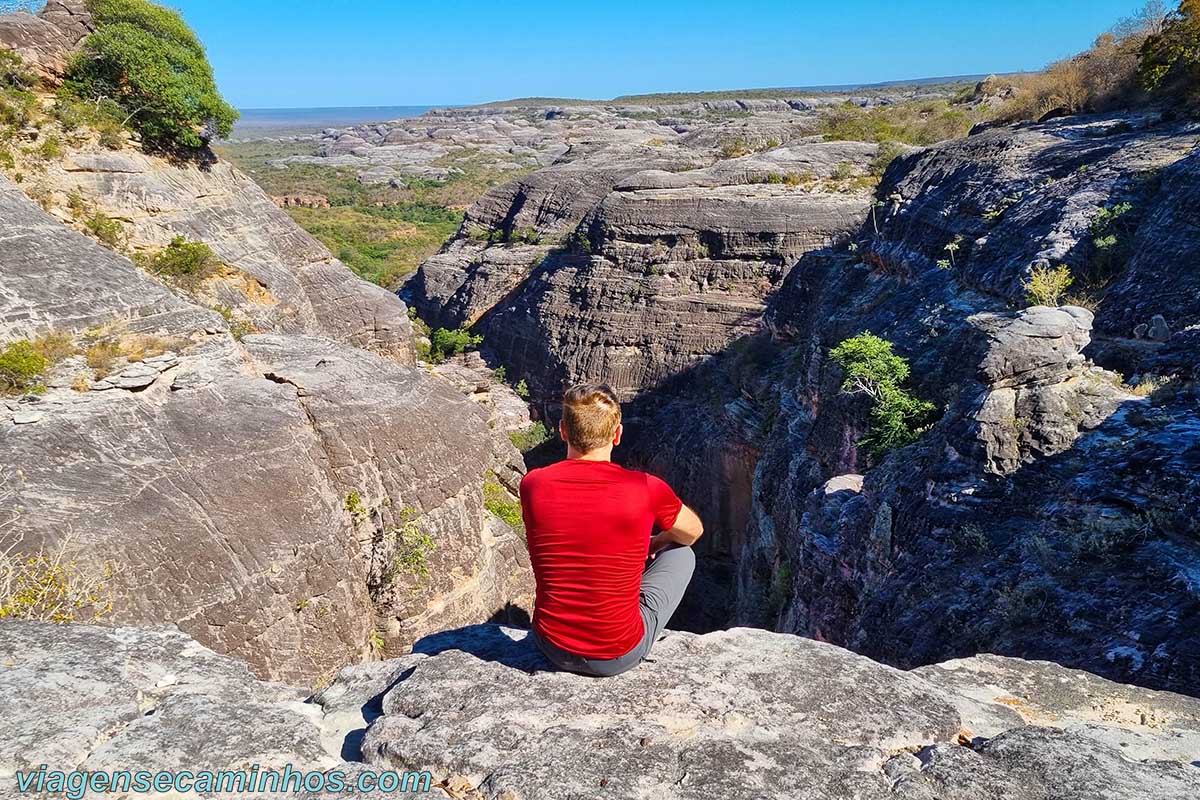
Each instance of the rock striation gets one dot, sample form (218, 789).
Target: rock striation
(1049, 512)
(628, 265)
(740, 712)
(46, 40)
(157, 470)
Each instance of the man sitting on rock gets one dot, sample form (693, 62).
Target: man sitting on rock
(605, 586)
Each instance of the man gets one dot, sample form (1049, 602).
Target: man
(600, 605)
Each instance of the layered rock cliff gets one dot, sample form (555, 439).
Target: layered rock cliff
(637, 263)
(251, 453)
(1048, 513)
(741, 713)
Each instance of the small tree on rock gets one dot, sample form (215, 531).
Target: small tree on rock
(148, 60)
(870, 367)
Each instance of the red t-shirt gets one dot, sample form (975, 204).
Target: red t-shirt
(588, 524)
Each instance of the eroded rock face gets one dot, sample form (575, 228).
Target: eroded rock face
(216, 478)
(627, 271)
(45, 41)
(275, 277)
(1048, 513)
(741, 712)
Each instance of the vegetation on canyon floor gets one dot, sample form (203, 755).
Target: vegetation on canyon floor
(382, 232)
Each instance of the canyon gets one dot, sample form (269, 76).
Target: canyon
(307, 530)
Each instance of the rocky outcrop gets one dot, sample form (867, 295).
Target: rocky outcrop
(373, 469)
(1049, 512)
(740, 712)
(45, 41)
(275, 277)
(625, 268)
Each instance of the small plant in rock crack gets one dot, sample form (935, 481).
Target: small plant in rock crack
(1046, 286)
(413, 547)
(871, 368)
(952, 247)
(359, 513)
(21, 367)
(874, 222)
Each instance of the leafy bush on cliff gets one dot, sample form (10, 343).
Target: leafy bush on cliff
(1046, 286)
(445, 343)
(870, 367)
(21, 367)
(527, 439)
(183, 262)
(146, 58)
(497, 500)
(16, 98)
(13, 73)
(1170, 57)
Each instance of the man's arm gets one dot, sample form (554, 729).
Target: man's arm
(686, 530)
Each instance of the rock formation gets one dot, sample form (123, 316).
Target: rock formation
(625, 263)
(252, 454)
(742, 713)
(46, 40)
(1049, 513)
(162, 469)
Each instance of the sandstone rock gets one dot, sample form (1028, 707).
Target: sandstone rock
(1047, 514)
(656, 279)
(163, 475)
(46, 40)
(743, 711)
(729, 711)
(276, 276)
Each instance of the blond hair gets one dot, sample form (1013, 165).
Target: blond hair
(591, 414)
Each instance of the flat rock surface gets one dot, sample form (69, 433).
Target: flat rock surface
(742, 713)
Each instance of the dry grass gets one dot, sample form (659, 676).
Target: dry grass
(51, 585)
(1103, 78)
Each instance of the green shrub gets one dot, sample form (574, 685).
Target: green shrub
(1046, 286)
(522, 389)
(106, 229)
(103, 116)
(13, 72)
(497, 500)
(870, 367)
(353, 503)
(146, 58)
(535, 435)
(1169, 61)
(21, 367)
(413, 547)
(919, 123)
(186, 263)
(445, 343)
(16, 107)
(50, 149)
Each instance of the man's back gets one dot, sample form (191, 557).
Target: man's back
(588, 525)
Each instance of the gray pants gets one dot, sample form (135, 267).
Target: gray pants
(663, 585)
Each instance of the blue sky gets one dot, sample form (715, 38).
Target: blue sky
(307, 53)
